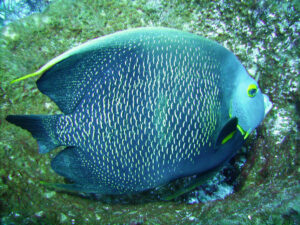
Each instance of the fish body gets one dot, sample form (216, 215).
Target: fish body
(143, 107)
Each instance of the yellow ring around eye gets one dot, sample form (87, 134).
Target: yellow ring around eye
(252, 90)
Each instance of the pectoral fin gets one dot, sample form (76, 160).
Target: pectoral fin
(227, 132)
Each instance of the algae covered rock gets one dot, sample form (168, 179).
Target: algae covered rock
(264, 36)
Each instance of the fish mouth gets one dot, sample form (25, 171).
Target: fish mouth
(267, 104)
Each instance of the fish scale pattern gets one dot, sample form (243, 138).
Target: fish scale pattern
(151, 107)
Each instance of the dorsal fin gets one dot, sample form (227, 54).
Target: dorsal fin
(65, 78)
(64, 82)
(70, 79)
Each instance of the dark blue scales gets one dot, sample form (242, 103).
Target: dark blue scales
(141, 108)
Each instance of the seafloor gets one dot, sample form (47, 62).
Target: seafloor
(263, 34)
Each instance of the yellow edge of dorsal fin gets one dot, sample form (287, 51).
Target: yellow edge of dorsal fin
(97, 42)
(57, 59)
(44, 68)
(25, 77)
(80, 48)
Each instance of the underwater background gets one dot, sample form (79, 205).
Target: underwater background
(259, 186)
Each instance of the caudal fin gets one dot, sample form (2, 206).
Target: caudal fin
(42, 128)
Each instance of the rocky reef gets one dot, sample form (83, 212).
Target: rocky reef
(263, 188)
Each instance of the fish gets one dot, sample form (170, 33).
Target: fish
(143, 107)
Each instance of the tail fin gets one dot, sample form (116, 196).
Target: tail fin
(42, 128)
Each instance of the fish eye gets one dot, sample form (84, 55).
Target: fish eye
(252, 90)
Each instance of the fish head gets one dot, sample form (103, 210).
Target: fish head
(248, 103)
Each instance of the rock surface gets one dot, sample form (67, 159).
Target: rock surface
(263, 34)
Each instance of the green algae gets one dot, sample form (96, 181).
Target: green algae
(263, 34)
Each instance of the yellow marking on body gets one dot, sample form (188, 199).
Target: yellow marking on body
(244, 133)
(228, 137)
(241, 130)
